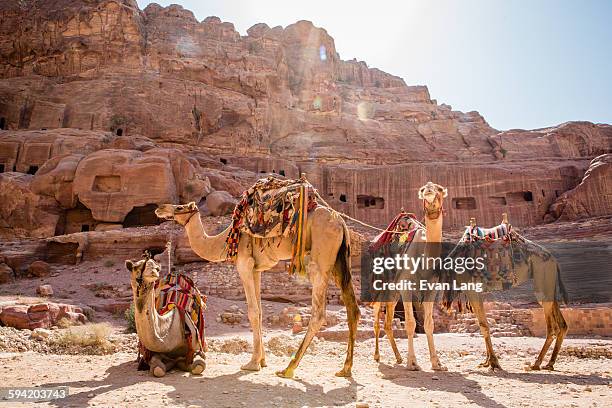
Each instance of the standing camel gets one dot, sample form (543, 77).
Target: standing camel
(163, 335)
(432, 196)
(327, 254)
(528, 261)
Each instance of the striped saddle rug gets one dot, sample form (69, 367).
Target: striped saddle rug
(177, 290)
(271, 208)
(502, 231)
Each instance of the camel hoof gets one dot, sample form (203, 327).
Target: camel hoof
(484, 364)
(413, 367)
(263, 363)
(548, 367)
(251, 366)
(376, 358)
(198, 368)
(158, 371)
(399, 360)
(286, 373)
(344, 373)
(439, 368)
(534, 368)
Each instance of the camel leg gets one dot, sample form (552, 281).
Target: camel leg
(550, 332)
(389, 330)
(198, 365)
(377, 309)
(410, 329)
(562, 331)
(320, 282)
(353, 314)
(245, 269)
(157, 367)
(429, 328)
(479, 312)
(257, 279)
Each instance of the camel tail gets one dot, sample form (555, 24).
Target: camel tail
(343, 260)
(561, 292)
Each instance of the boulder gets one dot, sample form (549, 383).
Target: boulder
(41, 315)
(24, 213)
(591, 198)
(44, 290)
(40, 269)
(111, 182)
(220, 203)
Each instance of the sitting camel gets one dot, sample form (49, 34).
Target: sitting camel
(433, 196)
(163, 335)
(327, 254)
(529, 261)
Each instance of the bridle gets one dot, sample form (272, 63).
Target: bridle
(433, 214)
(191, 214)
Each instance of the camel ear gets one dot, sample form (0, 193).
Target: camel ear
(444, 192)
(421, 197)
(192, 206)
(129, 265)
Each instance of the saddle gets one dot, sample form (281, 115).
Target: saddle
(400, 230)
(271, 208)
(177, 290)
(502, 231)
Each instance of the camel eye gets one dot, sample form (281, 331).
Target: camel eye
(180, 207)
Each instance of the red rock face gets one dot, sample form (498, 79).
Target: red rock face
(116, 109)
(40, 315)
(591, 198)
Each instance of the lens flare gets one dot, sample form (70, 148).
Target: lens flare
(365, 110)
(323, 53)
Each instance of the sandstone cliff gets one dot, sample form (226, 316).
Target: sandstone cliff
(114, 109)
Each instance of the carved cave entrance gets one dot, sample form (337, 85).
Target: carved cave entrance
(141, 216)
(1, 167)
(2, 123)
(519, 197)
(77, 219)
(464, 203)
(367, 201)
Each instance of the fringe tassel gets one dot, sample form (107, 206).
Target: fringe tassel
(299, 241)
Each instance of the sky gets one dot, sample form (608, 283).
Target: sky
(521, 64)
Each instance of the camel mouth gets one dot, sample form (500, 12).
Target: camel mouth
(163, 214)
(430, 196)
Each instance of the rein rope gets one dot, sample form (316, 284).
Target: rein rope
(348, 217)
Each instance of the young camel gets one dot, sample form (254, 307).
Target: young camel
(164, 335)
(433, 196)
(540, 265)
(327, 254)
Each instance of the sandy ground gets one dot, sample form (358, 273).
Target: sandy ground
(113, 381)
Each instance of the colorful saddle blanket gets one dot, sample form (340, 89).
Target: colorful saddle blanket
(502, 231)
(400, 230)
(179, 291)
(273, 207)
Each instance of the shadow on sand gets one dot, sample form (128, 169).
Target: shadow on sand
(229, 390)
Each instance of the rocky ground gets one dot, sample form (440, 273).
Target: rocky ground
(112, 380)
(101, 370)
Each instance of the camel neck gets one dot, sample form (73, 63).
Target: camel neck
(209, 247)
(433, 229)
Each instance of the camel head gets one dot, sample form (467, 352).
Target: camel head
(432, 195)
(144, 274)
(181, 213)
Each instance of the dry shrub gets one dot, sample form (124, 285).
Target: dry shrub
(64, 323)
(129, 317)
(93, 335)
